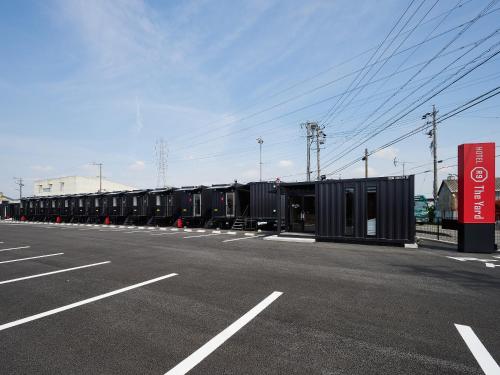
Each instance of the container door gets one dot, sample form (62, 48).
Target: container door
(309, 214)
(230, 206)
(296, 214)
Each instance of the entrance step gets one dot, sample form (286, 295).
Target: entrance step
(297, 235)
(290, 239)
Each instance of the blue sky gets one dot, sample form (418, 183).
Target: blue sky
(84, 81)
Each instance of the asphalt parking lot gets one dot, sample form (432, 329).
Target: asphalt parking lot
(105, 300)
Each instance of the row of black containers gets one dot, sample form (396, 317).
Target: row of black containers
(377, 210)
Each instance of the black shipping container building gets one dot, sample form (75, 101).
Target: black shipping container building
(9, 210)
(374, 210)
(193, 205)
(264, 205)
(93, 205)
(230, 203)
(161, 206)
(135, 206)
(112, 207)
(79, 208)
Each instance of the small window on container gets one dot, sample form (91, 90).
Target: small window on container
(31, 204)
(96, 202)
(349, 212)
(80, 202)
(115, 202)
(41, 204)
(196, 204)
(158, 200)
(66, 203)
(371, 211)
(134, 201)
(53, 204)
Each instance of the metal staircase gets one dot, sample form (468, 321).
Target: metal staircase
(240, 223)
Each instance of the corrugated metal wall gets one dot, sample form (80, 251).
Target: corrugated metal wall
(262, 200)
(395, 220)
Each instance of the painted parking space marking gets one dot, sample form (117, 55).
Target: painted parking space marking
(52, 273)
(492, 265)
(164, 234)
(243, 238)
(204, 235)
(487, 262)
(83, 302)
(199, 355)
(29, 258)
(480, 353)
(15, 248)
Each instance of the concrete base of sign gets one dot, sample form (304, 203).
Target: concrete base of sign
(476, 238)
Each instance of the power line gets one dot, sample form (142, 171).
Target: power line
(475, 45)
(471, 103)
(421, 99)
(331, 116)
(370, 59)
(314, 89)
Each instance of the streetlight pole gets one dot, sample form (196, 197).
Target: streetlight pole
(260, 141)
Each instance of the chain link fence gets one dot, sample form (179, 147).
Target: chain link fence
(446, 231)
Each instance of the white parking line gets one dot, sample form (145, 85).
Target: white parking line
(52, 273)
(207, 349)
(165, 234)
(203, 235)
(483, 358)
(80, 303)
(243, 238)
(39, 256)
(135, 231)
(15, 248)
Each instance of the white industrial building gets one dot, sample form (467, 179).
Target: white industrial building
(75, 185)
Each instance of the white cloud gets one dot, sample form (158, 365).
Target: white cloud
(285, 163)
(388, 153)
(137, 165)
(117, 35)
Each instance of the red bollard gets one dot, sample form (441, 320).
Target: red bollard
(107, 221)
(58, 220)
(179, 223)
(23, 218)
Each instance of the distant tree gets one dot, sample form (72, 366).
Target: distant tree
(431, 212)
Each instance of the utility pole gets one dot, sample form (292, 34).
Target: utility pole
(19, 182)
(311, 128)
(433, 134)
(320, 140)
(260, 141)
(396, 161)
(365, 159)
(100, 175)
